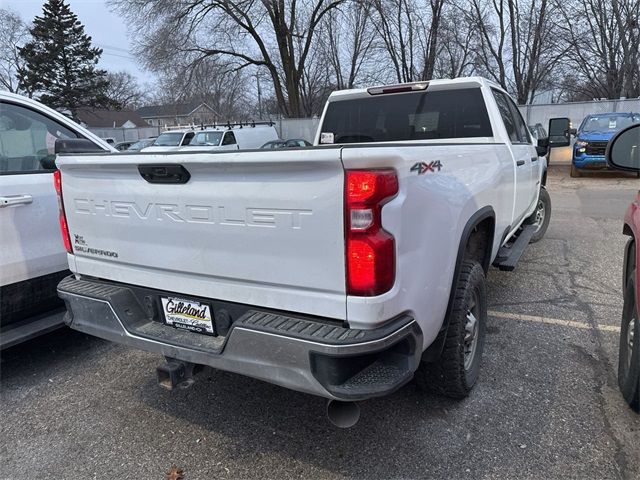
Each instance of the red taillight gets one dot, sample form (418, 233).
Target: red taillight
(64, 228)
(370, 250)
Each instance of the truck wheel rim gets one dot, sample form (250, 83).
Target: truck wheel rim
(471, 332)
(630, 340)
(540, 214)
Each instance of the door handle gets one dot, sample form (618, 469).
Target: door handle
(10, 200)
(520, 163)
(534, 159)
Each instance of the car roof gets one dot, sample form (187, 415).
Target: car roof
(613, 114)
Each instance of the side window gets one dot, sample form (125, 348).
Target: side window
(27, 138)
(229, 139)
(507, 117)
(187, 138)
(521, 127)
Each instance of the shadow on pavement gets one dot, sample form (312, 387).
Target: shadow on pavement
(257, 418)
(44, 353)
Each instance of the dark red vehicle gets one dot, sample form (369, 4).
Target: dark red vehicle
(623, 153)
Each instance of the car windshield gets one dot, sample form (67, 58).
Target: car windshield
(211, 139)
(172, 139)
(274, 144)
(140, 144)
(608, 123)
(296, 143)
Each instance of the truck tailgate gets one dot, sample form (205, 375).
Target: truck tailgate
(263, 228)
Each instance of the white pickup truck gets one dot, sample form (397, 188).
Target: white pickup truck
(342, 270)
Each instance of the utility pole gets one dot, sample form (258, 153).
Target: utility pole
(259, 96)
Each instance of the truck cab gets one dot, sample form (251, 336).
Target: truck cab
(592, 139)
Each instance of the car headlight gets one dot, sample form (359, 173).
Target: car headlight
(581, 143)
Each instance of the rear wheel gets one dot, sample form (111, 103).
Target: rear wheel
(456, 371)
(629, 353)
(575, 173)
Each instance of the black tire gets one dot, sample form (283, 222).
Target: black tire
(455, 373)
(541, 216)
(575, 173)
(629, 357)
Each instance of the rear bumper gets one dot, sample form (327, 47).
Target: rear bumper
(316, 356)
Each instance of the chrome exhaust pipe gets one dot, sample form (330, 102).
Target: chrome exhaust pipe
(343, 414)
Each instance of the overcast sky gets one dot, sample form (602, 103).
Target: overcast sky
(107, 30)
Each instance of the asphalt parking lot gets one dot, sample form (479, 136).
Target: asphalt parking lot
(547, 404)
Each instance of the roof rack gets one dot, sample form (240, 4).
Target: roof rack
(168, 128)
(230, 125)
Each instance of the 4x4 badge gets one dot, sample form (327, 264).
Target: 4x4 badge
(424, 167)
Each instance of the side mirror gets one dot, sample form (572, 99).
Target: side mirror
(560, 132)
(542, 148)
(623, 151)
(48, 162)
(76, 145)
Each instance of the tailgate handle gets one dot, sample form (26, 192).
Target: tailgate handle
(164, 173)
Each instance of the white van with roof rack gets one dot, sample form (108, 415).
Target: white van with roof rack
(238, 136)
(171, 140)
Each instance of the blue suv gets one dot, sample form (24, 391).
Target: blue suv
(593, 136)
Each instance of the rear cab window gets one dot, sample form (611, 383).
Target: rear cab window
(422, 115)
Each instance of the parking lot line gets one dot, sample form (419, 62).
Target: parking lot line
(551, 321)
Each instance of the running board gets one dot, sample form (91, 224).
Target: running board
(509, 254)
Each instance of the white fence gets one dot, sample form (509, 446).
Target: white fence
(127, 134)
(304, 128)
(576, 111)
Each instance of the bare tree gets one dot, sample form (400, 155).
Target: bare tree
(315, 85)
(395, 24)
(409, 31)
(275, 35)
(208, 81)
(347, 40)
(604, 44)
(123, 90)
(519, 44)
(13, 35)
(459, 43)
(431, 47)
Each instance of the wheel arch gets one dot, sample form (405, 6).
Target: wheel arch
(476, 242)
(629, 256)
